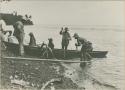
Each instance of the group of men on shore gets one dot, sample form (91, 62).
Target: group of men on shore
(66, 38)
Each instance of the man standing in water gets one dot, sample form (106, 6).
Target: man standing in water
(65, 38)
(86, 48)
(19, 34)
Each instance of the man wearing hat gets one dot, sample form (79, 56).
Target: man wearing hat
(65, 38)
(86, 47)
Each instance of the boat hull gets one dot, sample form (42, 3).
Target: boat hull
(10, 19)
(59, 53)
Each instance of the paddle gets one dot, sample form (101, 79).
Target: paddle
(50, 60)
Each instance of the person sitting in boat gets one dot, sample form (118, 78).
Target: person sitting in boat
(51, 47)
(7, 35)
(89, 46)
(46, 51)
(19, 34)
(65, 37)
(86, 48)
(32, 40)
(51, 44)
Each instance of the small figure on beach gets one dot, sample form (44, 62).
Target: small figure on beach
(86, 48)
(32, 40)
(19, 34)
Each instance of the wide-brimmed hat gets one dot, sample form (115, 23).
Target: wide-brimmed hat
(75, 35)
(30, 33)
(50, 39)
(66, 28)
(89, 42)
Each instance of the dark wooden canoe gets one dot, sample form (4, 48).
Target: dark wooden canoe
(36, 51)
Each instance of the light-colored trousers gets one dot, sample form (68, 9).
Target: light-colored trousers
(21, 46)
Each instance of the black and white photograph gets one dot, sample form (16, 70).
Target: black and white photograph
(62, 45)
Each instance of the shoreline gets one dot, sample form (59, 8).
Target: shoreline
(73, 77)
(34, 74)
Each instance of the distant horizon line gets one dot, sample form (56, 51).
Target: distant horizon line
(77, 25)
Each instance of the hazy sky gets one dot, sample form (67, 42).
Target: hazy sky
(71, 12)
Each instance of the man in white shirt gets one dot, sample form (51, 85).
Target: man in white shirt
(2, 31)
(12, 39)
(2, 24)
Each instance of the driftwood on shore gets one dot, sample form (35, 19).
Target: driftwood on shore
(50, 60)
(50, 81)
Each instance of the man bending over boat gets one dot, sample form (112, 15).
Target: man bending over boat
(86, 48)
(19, 34)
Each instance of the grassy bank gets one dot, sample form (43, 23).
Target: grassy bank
(35, 73)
